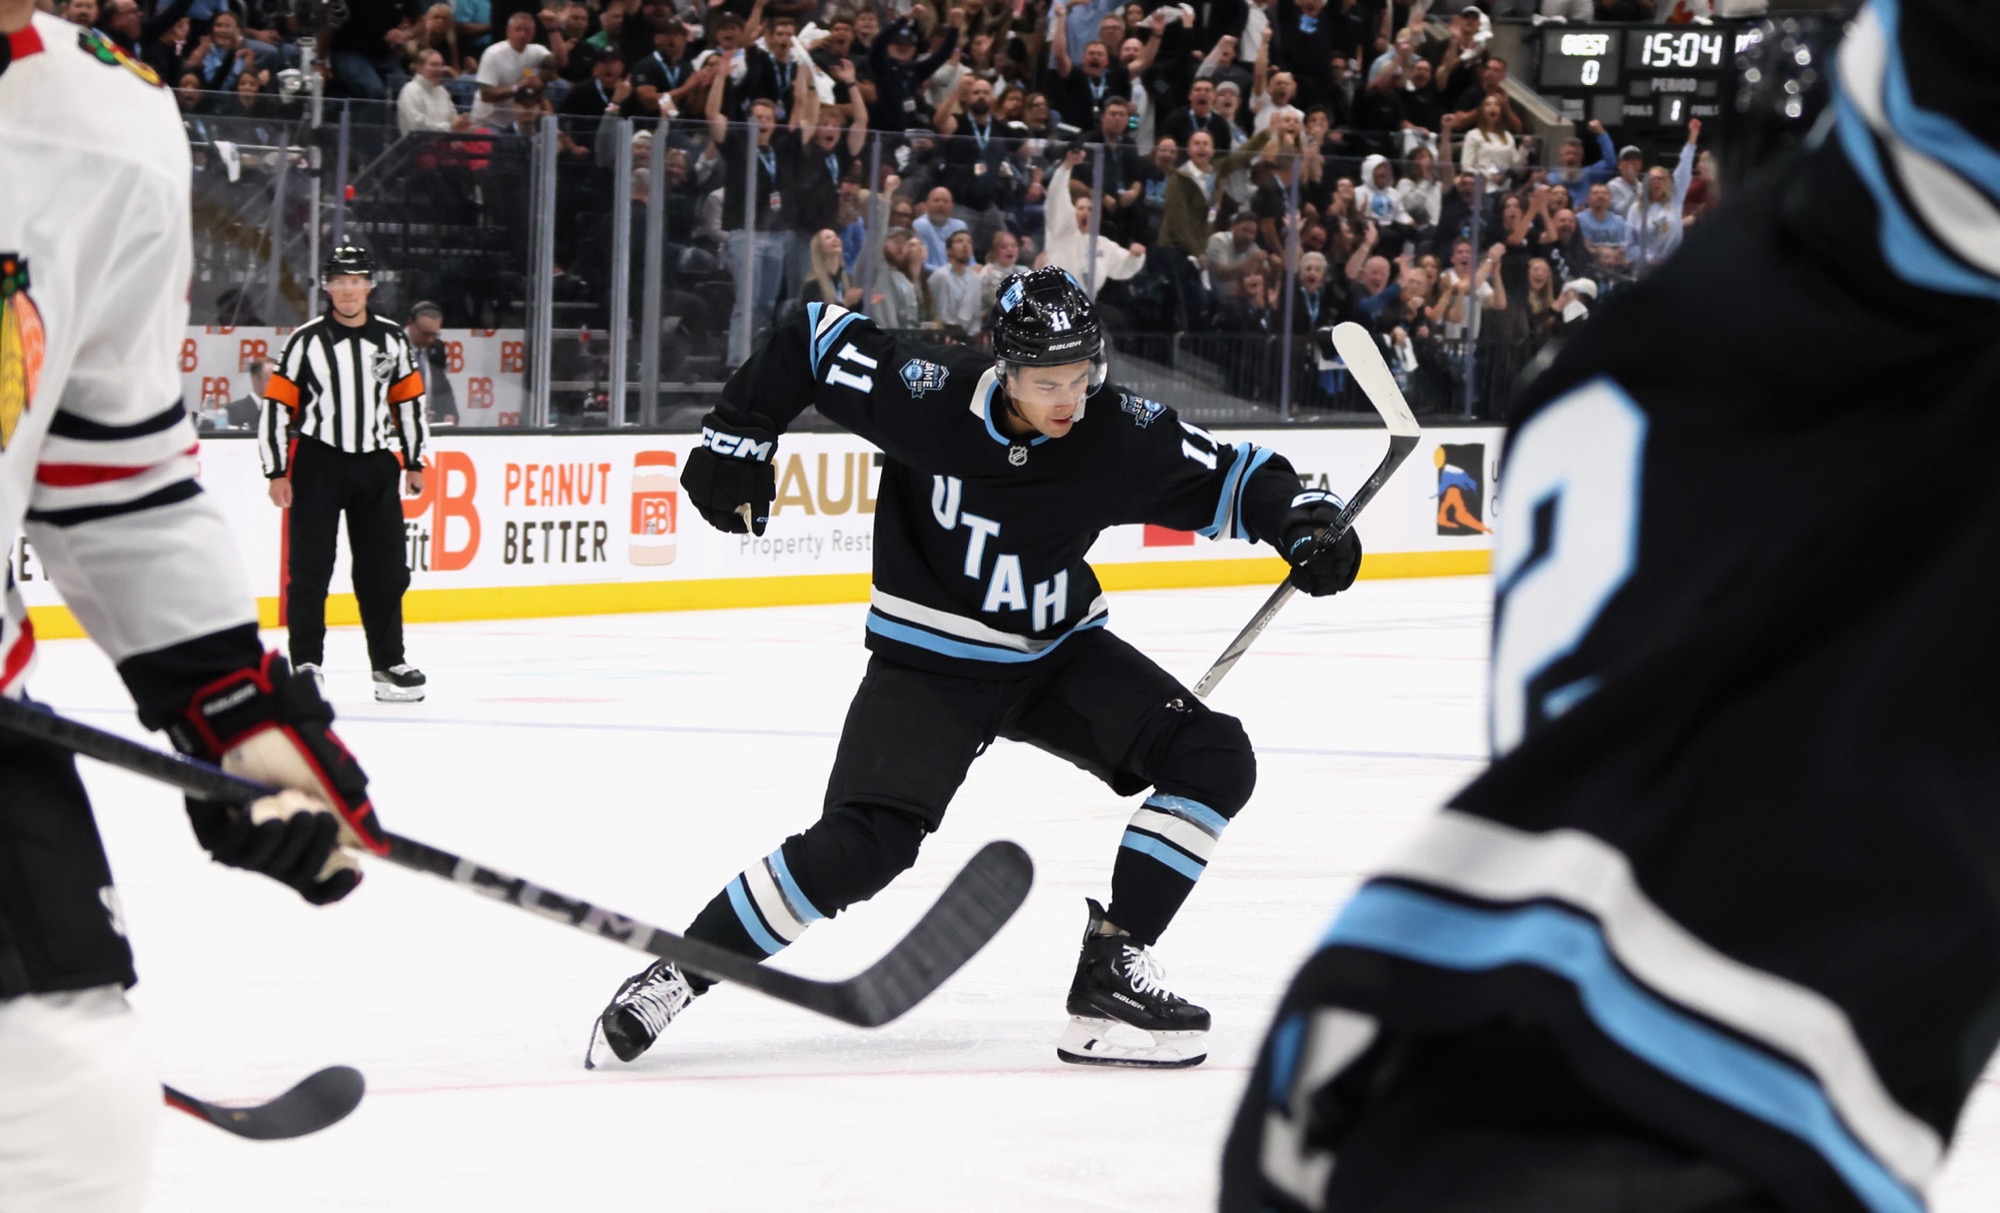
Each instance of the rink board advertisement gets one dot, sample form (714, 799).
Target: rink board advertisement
(486, 368)
(523, 525)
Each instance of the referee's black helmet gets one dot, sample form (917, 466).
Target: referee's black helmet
(349, 259)
(1044, 318)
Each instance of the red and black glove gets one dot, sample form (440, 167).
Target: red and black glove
(266, 724)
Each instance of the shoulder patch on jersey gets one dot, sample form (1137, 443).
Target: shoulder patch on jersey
(921, 376)
(102, 49)
(1143, 411)
(21, 345)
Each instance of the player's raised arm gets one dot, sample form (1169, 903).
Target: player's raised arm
(825, 356)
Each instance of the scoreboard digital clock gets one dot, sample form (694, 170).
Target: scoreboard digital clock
(1677, 50)
(1626, 76)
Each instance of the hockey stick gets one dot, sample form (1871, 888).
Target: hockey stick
(1364, 360)
(972, 909)
(318, 1100)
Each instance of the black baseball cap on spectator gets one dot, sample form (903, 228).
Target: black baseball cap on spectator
(1631, 152)
(903, 31)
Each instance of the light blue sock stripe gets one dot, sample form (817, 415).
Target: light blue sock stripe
(1194, 810)
(790, 888)
(1155, 849)
(739, 900)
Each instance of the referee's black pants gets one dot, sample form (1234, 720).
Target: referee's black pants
(326, 483)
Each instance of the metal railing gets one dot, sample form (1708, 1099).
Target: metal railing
(624, 267)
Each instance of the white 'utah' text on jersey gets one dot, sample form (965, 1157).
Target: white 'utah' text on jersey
(980, 538)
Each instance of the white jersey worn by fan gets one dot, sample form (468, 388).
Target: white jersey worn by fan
(97, 469)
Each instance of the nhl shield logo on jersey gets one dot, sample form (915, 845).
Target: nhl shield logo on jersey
(920, 376)
(102, 49)
(383, 367)
(1143, 410)
(21, 345)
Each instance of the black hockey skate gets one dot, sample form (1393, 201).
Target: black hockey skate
(1120, 1012)
(400, 684)
(639, 1012)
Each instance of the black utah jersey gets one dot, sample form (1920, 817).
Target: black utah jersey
(1736, 851)
(979, 537)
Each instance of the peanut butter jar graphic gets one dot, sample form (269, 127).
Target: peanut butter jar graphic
(656, 483)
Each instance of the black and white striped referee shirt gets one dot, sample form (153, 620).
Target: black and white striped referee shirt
(353, 387)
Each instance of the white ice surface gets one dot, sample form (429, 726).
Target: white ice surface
(641, 761)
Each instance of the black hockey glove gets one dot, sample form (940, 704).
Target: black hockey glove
(729, 477)
(1318, 569)
(269, 725)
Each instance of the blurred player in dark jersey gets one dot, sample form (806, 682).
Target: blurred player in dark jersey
(1718, 929)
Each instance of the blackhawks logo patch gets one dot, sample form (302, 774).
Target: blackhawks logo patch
(21, 345)
(102, 49)
(921, 376)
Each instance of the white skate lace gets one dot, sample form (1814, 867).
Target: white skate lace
(1144, 973)
(658, 998)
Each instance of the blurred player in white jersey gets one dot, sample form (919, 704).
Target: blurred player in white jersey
(97, 469)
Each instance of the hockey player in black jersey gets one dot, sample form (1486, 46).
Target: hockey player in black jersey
(985, 621)
(1717, 931)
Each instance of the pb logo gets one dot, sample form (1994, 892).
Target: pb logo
(1461, 495)
(451, 485)
(454, 357)
(249, 348)
(190, 357)
(513, 357)
(214, 390)
(479, 392)
(655, 507)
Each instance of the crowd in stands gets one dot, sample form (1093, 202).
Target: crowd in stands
(1232, 168)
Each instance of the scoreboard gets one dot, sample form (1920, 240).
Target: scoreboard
(1639, 75)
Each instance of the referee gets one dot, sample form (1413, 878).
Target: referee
(346, 399)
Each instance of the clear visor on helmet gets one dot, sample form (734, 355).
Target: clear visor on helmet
(1100, 366)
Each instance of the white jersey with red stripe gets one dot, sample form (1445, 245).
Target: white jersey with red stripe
(97, 453)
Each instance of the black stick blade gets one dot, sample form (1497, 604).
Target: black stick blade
(971, 910)
(319, 1100)
(977, 903)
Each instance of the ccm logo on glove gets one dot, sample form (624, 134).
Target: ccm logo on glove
(737, 446)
